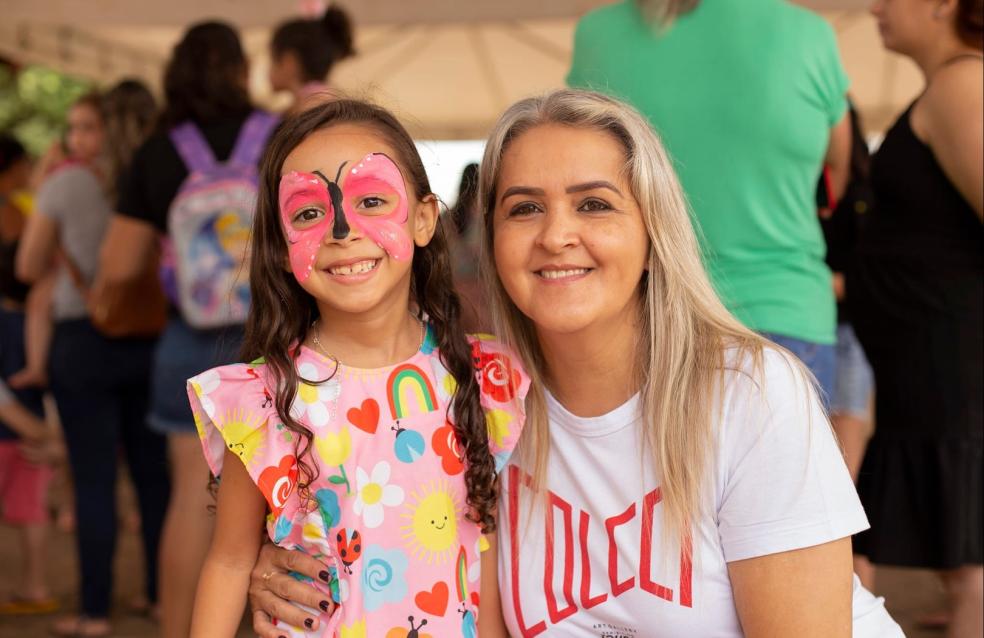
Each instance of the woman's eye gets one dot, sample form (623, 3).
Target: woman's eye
(307, 215)
(593, 205)
(526, 208)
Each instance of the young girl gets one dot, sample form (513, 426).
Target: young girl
(361, 432)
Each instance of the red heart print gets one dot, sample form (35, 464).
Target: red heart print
(435, 601)
(365, 418)
(277, 483)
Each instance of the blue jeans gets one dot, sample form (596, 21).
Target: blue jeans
(100, 386)
(181, 354)
(820, 358)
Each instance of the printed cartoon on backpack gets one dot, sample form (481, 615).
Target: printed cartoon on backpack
(203, 255)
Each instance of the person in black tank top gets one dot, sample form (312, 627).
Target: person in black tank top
(918, 307)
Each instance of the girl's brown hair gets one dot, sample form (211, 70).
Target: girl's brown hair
(282, 312)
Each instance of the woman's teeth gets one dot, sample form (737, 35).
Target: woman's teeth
(354, 269)
(561, 274)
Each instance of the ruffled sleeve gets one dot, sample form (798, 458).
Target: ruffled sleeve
(503, 384)
(233, 409)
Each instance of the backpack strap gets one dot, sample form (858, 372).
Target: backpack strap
(253, 138)
(192, 147)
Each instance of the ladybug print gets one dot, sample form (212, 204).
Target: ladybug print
(349, 548)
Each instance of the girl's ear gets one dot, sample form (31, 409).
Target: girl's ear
(425, 219)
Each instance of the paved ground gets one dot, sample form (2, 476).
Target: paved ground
(908, 592)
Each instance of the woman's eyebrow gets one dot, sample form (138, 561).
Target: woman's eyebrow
(590, 186)
(521, 190)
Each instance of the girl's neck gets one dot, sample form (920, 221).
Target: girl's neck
(592, 371)
(375, 339)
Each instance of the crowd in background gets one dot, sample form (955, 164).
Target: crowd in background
(869, 269)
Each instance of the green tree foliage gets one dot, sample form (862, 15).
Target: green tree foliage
(33, 104)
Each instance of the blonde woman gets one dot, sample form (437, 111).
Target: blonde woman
(678, 476)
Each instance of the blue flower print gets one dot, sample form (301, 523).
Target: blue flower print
(283, 527)
(328, 504)
(383, 576)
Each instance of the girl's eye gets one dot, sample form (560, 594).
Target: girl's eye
(524, 209)
(594, 205)
(307, 215)
(372, 202)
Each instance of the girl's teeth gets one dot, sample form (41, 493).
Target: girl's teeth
(354, 269)
(561, 274)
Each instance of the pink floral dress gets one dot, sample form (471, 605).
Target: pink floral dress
(388, 507)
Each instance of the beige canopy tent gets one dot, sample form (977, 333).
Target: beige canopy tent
(447, 67)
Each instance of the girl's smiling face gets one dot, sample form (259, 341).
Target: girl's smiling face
(350, 219)
(570, 243)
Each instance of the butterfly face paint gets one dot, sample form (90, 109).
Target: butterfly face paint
(370, 197)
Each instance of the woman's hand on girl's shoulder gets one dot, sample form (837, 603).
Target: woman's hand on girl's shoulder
(273, 593)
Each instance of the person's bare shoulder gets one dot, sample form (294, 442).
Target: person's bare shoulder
(954, 99)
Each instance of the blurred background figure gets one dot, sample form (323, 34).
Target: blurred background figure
(100, 384)
(850, 402)
(750, 99)
(918, 306)
(23, 480)
(303, 52)
(465, 247)
(209, 134)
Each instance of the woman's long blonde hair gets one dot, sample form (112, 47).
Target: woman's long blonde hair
(685, 328)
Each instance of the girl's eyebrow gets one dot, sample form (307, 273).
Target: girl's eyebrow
(521, 190)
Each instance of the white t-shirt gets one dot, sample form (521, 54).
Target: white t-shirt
(779, 482)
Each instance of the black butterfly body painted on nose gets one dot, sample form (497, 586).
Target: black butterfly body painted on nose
(340, 228)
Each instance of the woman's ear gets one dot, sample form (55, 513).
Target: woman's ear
(425, 219)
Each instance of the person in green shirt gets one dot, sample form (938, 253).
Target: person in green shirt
(750, 99)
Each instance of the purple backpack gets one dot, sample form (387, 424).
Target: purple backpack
(203, 266)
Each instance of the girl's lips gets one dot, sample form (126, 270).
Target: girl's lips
(353, 271)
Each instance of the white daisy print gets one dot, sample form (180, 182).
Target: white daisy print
(373, 493)
(207, 382)
(317, 402)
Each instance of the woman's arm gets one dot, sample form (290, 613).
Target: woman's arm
(838, 157)
(38, 330)
(224, 580)
(127, 246)
(951, 118)
(37, 248)
(804, 592)
(490, 621)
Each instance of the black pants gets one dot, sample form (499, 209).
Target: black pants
(101, 386)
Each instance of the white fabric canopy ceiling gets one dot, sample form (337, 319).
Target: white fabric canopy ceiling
(447, 67)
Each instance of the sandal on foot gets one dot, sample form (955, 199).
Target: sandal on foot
(18, 606)
(81, 627)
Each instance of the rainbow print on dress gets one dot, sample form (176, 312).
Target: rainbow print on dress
(410, 392)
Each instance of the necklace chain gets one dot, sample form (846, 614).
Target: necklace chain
(316, 328)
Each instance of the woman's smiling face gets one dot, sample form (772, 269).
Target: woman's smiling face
(569, 239)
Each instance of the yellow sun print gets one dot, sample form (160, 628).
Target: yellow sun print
(243, 434)
(431, 529)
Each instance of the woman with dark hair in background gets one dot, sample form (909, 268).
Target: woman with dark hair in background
(100, 384)
(918, 306)
(205, 149)
(303, 52)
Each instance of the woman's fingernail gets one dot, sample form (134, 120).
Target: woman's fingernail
(325, 576)
(324, 605)
(309, 623)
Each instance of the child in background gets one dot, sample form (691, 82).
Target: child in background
(24, 478)
(368, 431)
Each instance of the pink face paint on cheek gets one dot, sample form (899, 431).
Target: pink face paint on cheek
(297, 190)
(388, 231)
